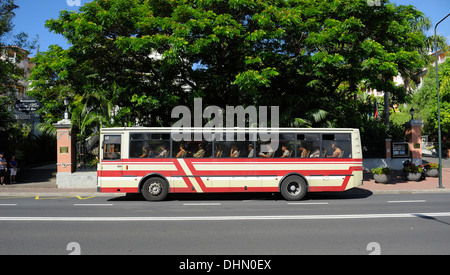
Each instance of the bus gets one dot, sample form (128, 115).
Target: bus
(154, 162)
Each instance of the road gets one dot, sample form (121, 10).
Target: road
(341, 223)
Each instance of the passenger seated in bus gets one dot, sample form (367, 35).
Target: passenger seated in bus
(286, 152)
(302, 152)
(219, 151)
(201, 151)
(315, 153)
(147, 152)
(337, 153)
(164, 153)
(234, 153)
(269, 153)
(250, 150)
(182, 152)
(115, 154)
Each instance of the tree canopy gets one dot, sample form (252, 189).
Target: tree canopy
(424, 100)
(131, 61)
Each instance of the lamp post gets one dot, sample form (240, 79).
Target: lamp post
(66, 104)
(411, 112)
(438, 103)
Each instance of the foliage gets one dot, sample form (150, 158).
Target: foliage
(382, 171)
(5, 114)
(8, 70)
(412, 168)
(15, 135)
(431, 165)
(424, 100)
(141, 58)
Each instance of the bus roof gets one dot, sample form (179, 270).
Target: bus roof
(224, 129)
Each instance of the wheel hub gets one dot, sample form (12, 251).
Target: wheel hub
(294, 188)
(155, 188)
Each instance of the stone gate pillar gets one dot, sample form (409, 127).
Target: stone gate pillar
(413, 129)
(66, 143)
(388, 146)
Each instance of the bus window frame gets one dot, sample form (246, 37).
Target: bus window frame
(120, 147)
(149, 140)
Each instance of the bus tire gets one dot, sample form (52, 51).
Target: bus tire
(293, 188)
(155, 189)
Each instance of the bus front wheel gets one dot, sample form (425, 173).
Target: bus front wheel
(293, 188)
(155, 189)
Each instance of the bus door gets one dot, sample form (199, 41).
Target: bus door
(112, 165)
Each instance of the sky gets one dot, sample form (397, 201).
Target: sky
(32, 14)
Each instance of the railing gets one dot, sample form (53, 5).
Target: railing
(88, 154)
(374, 149)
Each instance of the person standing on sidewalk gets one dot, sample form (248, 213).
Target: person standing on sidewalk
(13, 167)
(3, 169)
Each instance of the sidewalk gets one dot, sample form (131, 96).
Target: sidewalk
(41, 181)
(398, 184)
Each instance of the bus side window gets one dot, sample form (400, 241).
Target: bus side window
(337, 145)
(111, 147)
(149, 145)
(195, 149)
(240, 146)
(285, 148)
(308, 146)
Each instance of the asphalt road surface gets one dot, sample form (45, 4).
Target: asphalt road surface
(252, 224)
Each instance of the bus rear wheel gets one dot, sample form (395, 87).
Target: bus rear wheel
(293, 188)
(155, 189)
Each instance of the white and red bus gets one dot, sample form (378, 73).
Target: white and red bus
(150, 161)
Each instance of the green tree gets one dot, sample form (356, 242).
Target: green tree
(307, 56)
(7, 66)
(424, 100)
(14, 134)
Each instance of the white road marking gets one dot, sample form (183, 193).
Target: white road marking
(201, 204)
(306, 203)
(8, 204)
(229, 218)
(93, 204)
(407, 201)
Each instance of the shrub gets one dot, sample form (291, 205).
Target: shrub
(412, 168)
(431, 165)
(382, 171)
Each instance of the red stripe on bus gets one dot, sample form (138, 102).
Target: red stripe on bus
(254, 160)
(196, 174)
(119, 190)
(185, 179)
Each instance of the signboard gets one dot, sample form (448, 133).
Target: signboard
(21, 116)
(400, 149)
(64, 150)
(27, 105)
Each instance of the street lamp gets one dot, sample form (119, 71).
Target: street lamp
(411, 112)
(438, 102)
(66, 112)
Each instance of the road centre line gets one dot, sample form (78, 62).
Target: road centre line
(229, 218)
(201, 204)
(93, 204)
(306, 203)
(407, 201)
(8, 204)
